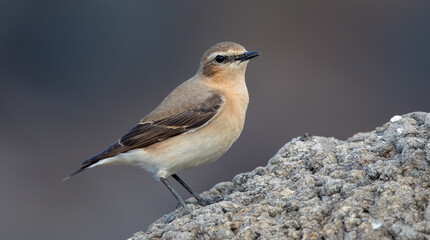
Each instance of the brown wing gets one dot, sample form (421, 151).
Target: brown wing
(150, 132)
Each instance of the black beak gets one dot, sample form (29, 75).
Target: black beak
(247, 56)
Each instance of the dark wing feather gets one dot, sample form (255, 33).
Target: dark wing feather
(147, 133)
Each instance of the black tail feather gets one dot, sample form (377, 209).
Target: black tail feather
(83, 168)
(87, 163)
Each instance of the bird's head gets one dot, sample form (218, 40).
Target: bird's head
(225, 58)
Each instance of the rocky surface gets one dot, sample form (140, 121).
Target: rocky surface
(375, 185)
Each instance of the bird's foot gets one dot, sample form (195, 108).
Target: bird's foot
(209, 201)
(184, 208)
(187, 210)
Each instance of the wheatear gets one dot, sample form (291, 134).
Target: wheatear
(194, 125)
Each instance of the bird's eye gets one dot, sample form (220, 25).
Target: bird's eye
(219, 58)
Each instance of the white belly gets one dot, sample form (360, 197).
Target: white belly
(195, 148)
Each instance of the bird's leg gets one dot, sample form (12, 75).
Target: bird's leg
(176, 194)
(200, 200)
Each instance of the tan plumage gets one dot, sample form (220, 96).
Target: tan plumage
(194, 125)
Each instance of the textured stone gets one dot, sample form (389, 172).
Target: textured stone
(375, 185)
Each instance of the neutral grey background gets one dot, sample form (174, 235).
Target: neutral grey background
(76, 75)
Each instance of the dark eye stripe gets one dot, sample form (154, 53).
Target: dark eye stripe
(226, 59)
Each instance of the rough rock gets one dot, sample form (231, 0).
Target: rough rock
(375, 185)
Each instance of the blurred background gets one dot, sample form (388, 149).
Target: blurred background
(76, 75)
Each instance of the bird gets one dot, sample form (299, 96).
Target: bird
(194, 125)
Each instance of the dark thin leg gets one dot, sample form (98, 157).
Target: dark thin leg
(177, 196)
(200, 200)
(189, 189)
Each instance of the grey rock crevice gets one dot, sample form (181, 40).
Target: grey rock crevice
(375, 185)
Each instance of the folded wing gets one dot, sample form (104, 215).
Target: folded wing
(147, 133)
